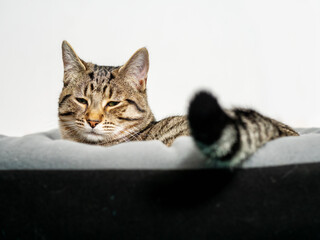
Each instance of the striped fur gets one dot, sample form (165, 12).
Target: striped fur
(107, 105)
(230, 136)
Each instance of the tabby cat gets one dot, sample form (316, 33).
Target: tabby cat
(106, 105)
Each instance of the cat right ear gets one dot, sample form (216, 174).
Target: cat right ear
(72, 63)
(136, 69)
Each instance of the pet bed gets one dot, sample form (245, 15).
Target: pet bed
(52, 189)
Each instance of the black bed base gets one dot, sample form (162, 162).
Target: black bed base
(263, 203)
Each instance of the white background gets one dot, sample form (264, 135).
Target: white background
(259, 54)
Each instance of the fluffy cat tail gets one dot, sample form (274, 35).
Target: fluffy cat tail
(228, 137)
(214, 132)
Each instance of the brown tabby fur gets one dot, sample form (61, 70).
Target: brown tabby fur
(130, 120)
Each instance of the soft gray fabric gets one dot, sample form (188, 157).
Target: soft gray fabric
(48, 151)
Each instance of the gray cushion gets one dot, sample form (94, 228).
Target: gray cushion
(48, 151)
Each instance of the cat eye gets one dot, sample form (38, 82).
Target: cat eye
(82, 101)
(111, 104)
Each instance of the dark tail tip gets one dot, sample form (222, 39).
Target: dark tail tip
(206, 118)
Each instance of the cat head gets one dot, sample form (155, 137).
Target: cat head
(103, 104)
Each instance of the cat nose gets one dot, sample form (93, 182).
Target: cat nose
(93, 123)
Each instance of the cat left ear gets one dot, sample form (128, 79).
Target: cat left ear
(136, 69)
(71, 62)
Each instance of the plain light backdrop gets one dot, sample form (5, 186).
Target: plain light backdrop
(259, 54)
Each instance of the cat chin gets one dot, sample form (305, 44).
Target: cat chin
(92, 137)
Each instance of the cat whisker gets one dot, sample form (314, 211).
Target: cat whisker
(130, 134)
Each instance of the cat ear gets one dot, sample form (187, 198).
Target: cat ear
(136, 69)
(71, 62)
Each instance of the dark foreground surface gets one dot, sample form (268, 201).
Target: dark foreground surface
(267, 203)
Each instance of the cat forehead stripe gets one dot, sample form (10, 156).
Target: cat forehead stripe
(85, 90)
(91, 75)
(102, 74)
